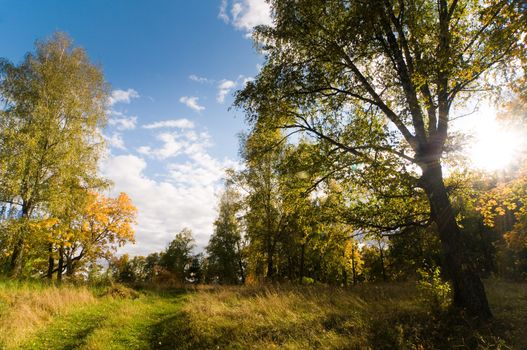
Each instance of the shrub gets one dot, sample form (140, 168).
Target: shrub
(433, 291)
(307, 280)
(121, 292)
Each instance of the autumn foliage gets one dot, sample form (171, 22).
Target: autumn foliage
(104, 224)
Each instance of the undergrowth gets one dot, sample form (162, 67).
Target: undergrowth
(35, 315)
(389, 316)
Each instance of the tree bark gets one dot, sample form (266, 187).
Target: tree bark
(353, 269)
(69, 267)
(469, 292)
(60, 268)
(302, 257)
(51, 262)
(15, 265)
(240, 263)
(381, 258)
(270, 264)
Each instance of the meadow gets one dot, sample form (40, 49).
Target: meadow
(34, 315)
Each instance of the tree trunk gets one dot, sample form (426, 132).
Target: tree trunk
(381, 257)
(302, 257)
(240, 262)
(51, 262)
(60, 267)
(353, 269)
(15, 265)
(270, 265)
(69, 267)
(469, 292)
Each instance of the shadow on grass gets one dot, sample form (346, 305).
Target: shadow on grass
(67, 340)
(172, 332)
(176, 332)
(403, 329)
(448, 330)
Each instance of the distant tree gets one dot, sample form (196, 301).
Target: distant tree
(196, 269)
(54, 104)
(224, 251)
(505, 209)
(354, 262)
(265, 219)
(177, 258)
(152, 262)
(129, 270)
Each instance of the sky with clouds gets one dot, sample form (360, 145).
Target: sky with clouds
(173, 66)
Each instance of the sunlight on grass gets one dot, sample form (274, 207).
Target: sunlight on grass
(376, 316)
(383, 316)
(25, 307)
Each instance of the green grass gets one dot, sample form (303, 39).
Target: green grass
(109, 324)
(36, 316)
(376, 316)
(382, 316)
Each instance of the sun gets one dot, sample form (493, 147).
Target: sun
(495, 145)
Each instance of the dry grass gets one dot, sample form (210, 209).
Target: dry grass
(386, 316)
(25, 307)
(509, 305)
(287, 317)
(374, 316)
(270, 316)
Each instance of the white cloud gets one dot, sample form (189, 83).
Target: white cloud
(201, 80)
(246, 14)
(123, 123)
(247, 80)
(224, 87)
(174, 123)
(187, 198)
(192, 102)
(171, 147)
(177, 143)
(223, 12)
(115, 141)
(123, 96)
(146, 150)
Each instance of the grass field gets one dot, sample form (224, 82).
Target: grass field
(36, 316)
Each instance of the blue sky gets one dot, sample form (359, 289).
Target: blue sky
(173, 66)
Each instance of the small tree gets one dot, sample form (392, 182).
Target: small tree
(225, 263)
(98, 229)
(177, 258)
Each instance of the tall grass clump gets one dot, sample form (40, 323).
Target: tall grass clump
(26, 306)
(374, 316)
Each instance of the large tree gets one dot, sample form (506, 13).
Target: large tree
(378, 80)
(50, 143)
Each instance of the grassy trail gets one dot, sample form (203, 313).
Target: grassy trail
(369, 316)
(109, 324)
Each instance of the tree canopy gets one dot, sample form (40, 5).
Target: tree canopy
(375, 83)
